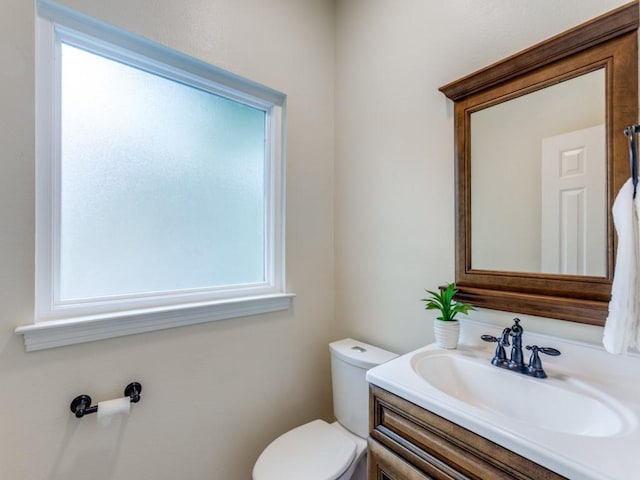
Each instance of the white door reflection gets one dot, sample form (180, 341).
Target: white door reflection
(573, 169)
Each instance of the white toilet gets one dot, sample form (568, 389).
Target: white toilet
(321, 451)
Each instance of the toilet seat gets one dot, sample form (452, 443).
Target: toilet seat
(314, 451)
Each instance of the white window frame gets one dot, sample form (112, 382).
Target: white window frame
(58, 323)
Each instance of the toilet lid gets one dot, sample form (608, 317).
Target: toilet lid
(314, 451)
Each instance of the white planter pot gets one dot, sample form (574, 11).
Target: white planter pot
(446, 333)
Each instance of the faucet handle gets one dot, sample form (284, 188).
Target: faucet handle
(503, 340)
(548, 351)
(500, 357)
(535, 365)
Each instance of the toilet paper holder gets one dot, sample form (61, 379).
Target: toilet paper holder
(81, 405)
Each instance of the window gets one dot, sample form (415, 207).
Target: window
(159, 187)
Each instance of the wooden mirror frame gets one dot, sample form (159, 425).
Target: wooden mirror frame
(608, 41)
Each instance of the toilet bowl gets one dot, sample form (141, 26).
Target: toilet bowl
(330, 451)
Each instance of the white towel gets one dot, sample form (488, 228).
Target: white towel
(621, 328)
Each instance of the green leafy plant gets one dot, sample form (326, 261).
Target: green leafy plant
(443, 300)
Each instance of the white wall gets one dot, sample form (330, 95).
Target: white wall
(394, 213)
(215, 394)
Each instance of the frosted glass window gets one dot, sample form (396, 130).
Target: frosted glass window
(159, 186)
(162, 185)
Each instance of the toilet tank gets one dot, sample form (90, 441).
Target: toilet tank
(350, 360)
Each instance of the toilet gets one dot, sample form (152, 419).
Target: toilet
(330, 451)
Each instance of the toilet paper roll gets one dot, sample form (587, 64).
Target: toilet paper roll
(111, 408)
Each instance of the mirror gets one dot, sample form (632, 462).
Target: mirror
(540, 156)
(548, 149)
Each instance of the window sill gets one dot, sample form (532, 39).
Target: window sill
(58, 333)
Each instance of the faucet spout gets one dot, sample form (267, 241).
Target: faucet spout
(516, 361)
(500, 357)
(504, 338)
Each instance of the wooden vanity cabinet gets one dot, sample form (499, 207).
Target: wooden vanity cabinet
(407, 442)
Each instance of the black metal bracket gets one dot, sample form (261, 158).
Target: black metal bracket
(81, 405)
(631, 132)
(133, 391)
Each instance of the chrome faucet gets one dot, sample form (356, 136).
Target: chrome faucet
(516, 362)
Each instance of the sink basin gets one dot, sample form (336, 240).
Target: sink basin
(580, 422)
(557, 403)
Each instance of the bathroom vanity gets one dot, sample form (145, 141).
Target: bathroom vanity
(410, 443)
(451, 414)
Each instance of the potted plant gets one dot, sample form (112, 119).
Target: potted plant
(446, 327)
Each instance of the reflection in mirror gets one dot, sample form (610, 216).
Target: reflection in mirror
(539, 183)
(521, 219)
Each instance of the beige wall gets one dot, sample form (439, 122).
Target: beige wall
(394, 173)
(214, 394)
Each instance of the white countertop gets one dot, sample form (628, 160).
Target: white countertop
(576, 456)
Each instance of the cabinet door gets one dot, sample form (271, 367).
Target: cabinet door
(438, 448)
(386, 465)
